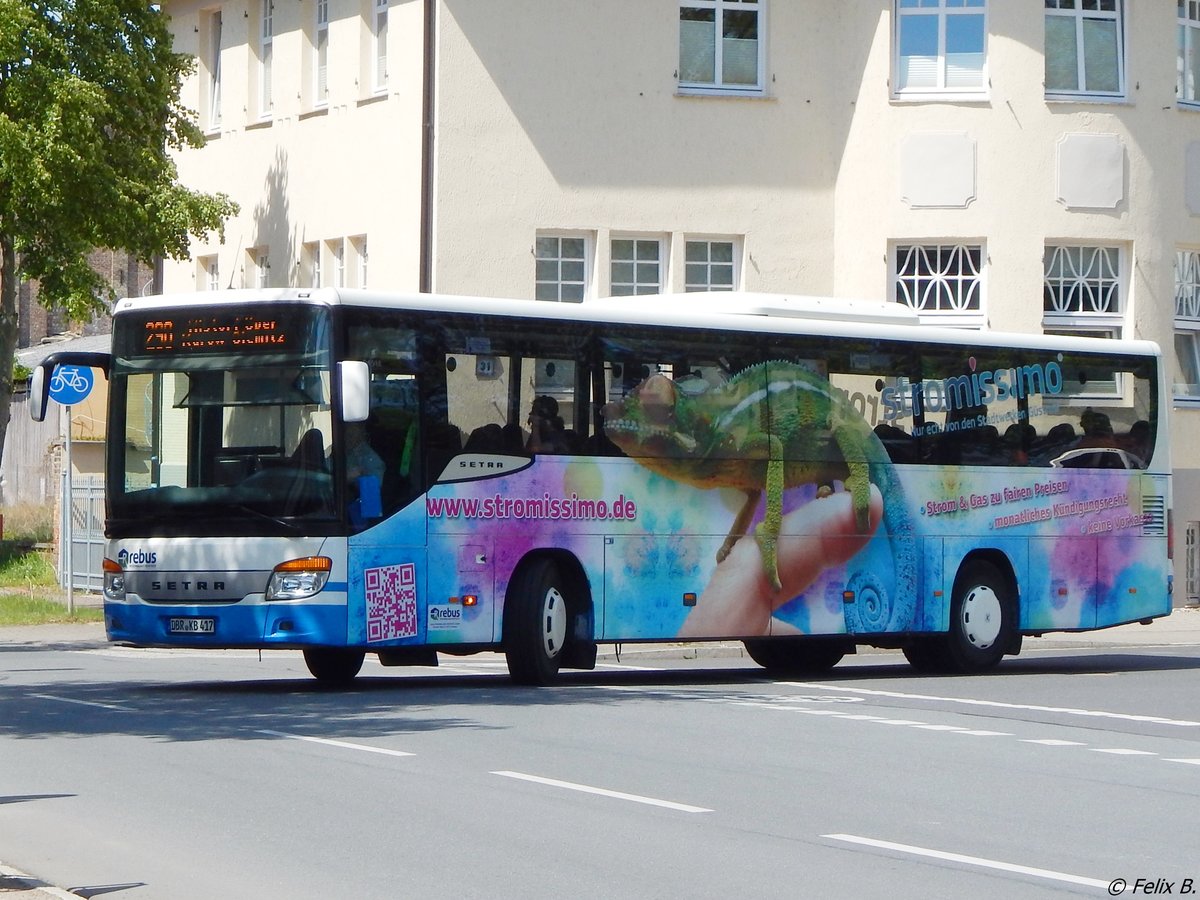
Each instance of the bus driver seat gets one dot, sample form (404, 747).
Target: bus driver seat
(310, 452)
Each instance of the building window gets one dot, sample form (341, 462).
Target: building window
(212, 55)
(940, 45)
(311, 263)
(262, 268)
(1085, 47)
(1187, 61)
(265, 51)
(636, 266)
(209, 273)
(359, 245)
(1083, 289)
(941, 281)
(337, 250)
(1187, 324)
(321, 55)
(721, 45)
(380, 36)
(709, 266)
(561, 267)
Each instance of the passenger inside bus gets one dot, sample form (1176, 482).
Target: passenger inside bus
(1138, 440)
(1018, 441)
(361, 458)
(547, 433)
(1097, 430)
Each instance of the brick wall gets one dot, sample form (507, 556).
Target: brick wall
(128, 276)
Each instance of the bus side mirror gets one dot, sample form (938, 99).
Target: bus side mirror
(355, 382)
(39, 394)
(43, 375)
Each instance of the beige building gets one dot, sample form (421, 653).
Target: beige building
(1029, 165)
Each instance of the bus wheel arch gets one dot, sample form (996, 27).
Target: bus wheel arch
(548, 618)
(983, 613)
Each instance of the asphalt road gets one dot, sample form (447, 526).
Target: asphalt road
(167, 774)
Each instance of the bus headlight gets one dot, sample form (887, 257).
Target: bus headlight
(114, 581)
(299, 578)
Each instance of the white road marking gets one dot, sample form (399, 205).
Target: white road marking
(1118, 751)
(617, 795)
(1066, 710)
(815, 712)
(942, 727)
(1053, 742)
(949, 729)
(94, 703)
(345, 745)
(970, 860)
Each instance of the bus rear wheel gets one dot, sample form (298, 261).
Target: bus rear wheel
(795, 655)
(536, 620)
(333, 666)
(982, 619)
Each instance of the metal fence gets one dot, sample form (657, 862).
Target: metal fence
(86, 530)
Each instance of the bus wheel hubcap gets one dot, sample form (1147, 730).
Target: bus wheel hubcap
(982, 615)
(554, 622)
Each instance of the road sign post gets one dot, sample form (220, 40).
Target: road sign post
(69, 385)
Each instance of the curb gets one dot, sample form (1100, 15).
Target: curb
(17, 885)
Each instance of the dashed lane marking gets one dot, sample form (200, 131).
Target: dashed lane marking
(1121, 751)
(345, 745)
(603, 792)
(93, 703)
(978, 861)
(997, 704)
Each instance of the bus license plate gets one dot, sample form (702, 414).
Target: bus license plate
(192, 625)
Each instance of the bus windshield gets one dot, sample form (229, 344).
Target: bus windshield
(227, 423)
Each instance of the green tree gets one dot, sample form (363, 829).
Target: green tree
(89, 115)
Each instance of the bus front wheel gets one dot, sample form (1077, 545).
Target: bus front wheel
(333, 666)
(982, 619)
(536, 619)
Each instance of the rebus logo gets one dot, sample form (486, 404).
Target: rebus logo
(137, 558)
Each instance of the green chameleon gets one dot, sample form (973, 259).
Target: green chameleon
(772, 426)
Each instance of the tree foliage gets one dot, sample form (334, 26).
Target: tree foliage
(90, 111)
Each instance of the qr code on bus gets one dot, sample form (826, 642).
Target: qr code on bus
(391, 602)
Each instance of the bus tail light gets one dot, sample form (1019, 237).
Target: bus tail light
(114, 581)
(297, 579)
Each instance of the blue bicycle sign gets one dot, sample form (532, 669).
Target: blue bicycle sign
(70, 384)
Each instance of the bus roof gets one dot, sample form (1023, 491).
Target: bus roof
(732, 310)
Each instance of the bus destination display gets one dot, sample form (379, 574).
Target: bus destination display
(214, 333)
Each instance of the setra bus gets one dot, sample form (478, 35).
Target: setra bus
(351, 472)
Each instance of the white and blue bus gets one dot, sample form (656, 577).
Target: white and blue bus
(351, 472)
